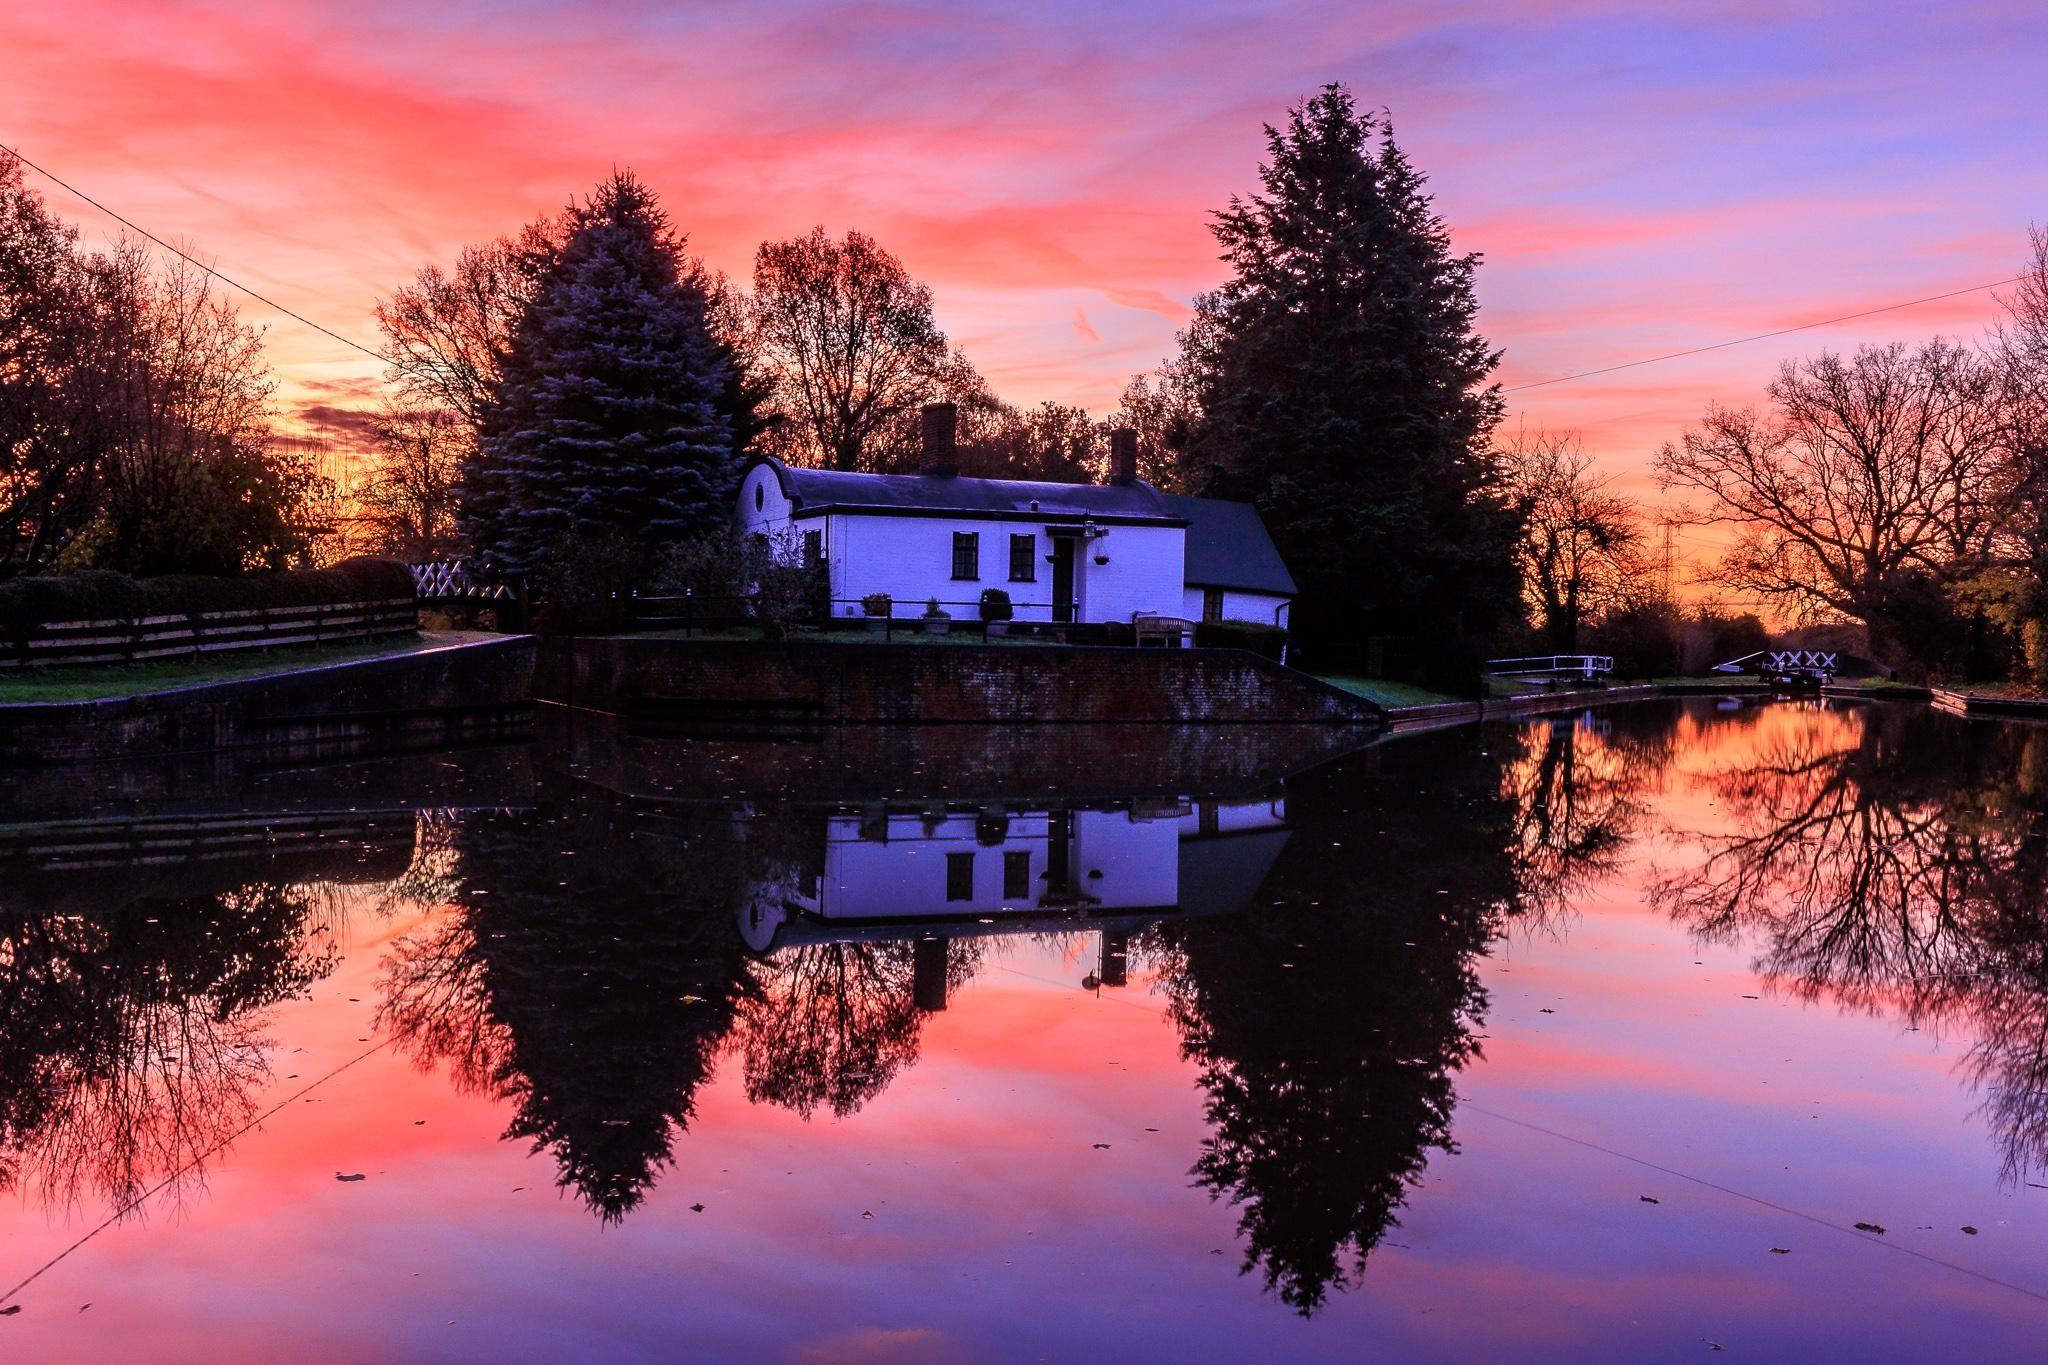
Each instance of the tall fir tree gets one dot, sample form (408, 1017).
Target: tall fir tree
(1343, 388)
(609, 430)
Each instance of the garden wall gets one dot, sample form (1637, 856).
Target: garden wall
(857, 682)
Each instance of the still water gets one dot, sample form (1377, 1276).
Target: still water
(1573, 1039)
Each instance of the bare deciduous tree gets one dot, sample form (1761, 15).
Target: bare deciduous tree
(1869, 476)
(850, 343)
(408, 501)
(445, 334)
(1164, 409)
(1581, 543)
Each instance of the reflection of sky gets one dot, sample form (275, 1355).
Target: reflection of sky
(1641, 178)
(999, 1229)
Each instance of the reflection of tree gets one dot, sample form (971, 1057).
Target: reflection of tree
(1577, 793)
(834, 1023)
(1328, 1020)
(131, 1037)
(1896, 861)
(589, 977)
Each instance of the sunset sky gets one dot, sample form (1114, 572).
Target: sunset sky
(1639, 182)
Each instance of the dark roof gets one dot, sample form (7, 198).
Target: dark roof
(1228, 547)
(811, 491)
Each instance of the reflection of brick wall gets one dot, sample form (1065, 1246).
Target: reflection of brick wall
(925, 683)
(1004, 763)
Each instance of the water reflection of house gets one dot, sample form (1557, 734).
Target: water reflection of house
(932, 873)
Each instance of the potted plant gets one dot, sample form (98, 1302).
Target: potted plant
(876, 606)
(995, 611)
(936, 621)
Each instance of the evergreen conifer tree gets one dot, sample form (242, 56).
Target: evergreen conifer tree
(1343, 389)
(608, 434)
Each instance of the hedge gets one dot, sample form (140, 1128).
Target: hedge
(1270, 641)
(99, 595)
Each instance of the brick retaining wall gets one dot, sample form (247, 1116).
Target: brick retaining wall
(857, 682)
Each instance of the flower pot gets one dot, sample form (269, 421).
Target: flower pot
(998, 627)
(937, 625)
(1102, 559)
(878, 625)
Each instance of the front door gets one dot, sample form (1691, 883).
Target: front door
(1063, 578)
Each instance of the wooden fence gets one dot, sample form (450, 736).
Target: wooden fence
(192, 634)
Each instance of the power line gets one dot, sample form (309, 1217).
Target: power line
(188, 258)
(1764, 336)
(1511, 388)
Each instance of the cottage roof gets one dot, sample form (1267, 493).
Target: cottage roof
(812, 491)
(1228, 547)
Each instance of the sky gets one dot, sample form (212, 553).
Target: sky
(1640, 178)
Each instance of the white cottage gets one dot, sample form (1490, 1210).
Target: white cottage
(1063, 552)
(1234, 571)
(986, 871)
(1075, 553)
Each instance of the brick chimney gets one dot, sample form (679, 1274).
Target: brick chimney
(1123, 456)
(940, 456)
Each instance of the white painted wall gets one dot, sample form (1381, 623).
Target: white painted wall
(1139, 854)
(762, 506)
(1144, 573)
(911, 559)
(1138, 859)
(1234, 817)
(1267, 609)
(906, 874)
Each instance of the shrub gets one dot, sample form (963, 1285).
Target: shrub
(1255, 636)
(2034, 642)
(995, 605)
(1645, 639)
(735, 575)
(934, 612)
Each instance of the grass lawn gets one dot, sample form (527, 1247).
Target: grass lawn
(1384, 692)
(1885, 685)
(2004, 691)
(126, 680)
(1729, 681)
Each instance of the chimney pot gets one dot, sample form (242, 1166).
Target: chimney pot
(940, 422)
(1123, 455)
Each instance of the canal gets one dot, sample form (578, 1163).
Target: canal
(1673, 1028)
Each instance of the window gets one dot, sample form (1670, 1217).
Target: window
(967, 554)
(1023, 559)
(814, 548)
(959, 876)
(1212, 604)
(760, 496)
(1017, 876)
